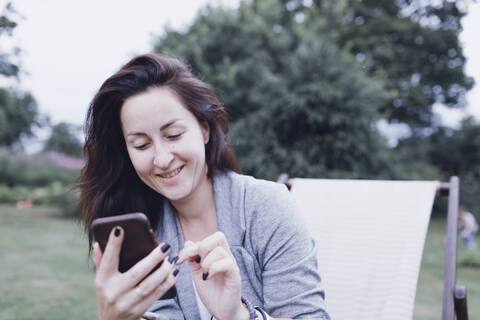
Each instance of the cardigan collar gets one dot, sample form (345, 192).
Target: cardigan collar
(230, 221)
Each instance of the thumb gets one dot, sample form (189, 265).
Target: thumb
(97, 254)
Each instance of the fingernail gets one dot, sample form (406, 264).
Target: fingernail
(165, 247)
(175, 272)
(117, 231)
(205, 276)
(174, 259)
(198, 258)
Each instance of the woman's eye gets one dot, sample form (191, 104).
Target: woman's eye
(174, 136)
(141, 146)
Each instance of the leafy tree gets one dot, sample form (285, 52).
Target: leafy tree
(298, 104)
(18, 114)
(457, 152)
(64, 139)
(18, 110)
(452, 152)
(414, 46)
(7, 25)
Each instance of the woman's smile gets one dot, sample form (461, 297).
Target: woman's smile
(170, 174)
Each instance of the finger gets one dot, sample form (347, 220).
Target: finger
(211, 242)
(216, 254)
(167, 284)
(149, 284)
(225, 266)
(142, 268)
(189, 252)
(188, 243)
(97, 254)
(142, 305)
(109, 263)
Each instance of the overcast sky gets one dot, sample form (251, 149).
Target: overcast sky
(70, 47)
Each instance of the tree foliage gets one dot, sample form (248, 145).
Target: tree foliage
(297, 103)
(18, 115)
(7, 25)
(452, 152)
(414, 46)
(18, 110)
(64, 139)
(305, 82)
(457, 152)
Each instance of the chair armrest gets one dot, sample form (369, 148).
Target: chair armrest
(461, 302)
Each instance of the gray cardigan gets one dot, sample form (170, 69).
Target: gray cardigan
(275, 254)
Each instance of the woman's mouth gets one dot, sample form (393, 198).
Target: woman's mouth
(171, 174)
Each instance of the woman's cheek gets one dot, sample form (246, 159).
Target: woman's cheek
(142, 161)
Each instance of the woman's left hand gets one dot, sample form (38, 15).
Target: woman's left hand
(216, 277)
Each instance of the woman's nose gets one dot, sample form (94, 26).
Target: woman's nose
(163, 158)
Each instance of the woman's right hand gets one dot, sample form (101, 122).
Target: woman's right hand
(128, 295)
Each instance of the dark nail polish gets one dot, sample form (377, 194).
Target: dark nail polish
(174, 259)
(198, 258)
(175, 272)
(117, 231)
(165, 247)
(205, 276)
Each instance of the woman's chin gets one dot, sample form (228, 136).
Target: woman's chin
(175, 195)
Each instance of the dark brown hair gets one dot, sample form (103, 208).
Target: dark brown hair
(109, 184)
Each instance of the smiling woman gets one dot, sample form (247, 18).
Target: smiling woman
(157, 143)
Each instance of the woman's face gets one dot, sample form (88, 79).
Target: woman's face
(165, 142)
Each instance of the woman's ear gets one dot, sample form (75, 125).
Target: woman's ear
(205, 132)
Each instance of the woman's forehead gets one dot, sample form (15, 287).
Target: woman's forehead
(156, 107)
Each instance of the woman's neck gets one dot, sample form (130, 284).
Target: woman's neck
(197, 214)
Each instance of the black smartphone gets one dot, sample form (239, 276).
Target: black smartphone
(139, 240)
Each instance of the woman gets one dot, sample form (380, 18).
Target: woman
(157, 143)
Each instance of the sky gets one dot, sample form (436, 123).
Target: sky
(70, 47)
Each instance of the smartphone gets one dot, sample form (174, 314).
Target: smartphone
(139, 240)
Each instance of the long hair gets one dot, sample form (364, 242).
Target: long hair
(109, 184)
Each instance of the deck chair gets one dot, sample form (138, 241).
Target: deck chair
(370, 236)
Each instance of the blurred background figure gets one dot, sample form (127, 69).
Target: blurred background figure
(468, 227)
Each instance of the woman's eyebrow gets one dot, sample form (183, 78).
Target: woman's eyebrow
(168, 124)
(163, 127)
(136, 134)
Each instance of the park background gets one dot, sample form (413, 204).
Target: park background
(314, 88)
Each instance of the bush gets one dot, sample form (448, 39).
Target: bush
(59, 196)
(45, 184)
(18, 173)
(11, 195)
(55, 194)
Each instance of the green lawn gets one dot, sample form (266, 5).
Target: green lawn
(46, 273)
(428, 302)
(45, 269)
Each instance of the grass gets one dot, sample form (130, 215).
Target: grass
(46, 272)
(428, 302)
(45, 269)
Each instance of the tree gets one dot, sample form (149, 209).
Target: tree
(18, 110)
(298, 104)
(451, 152)
(457, 152)
(7, 25)
(414, 46)
(18, 115)
(64, 139)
